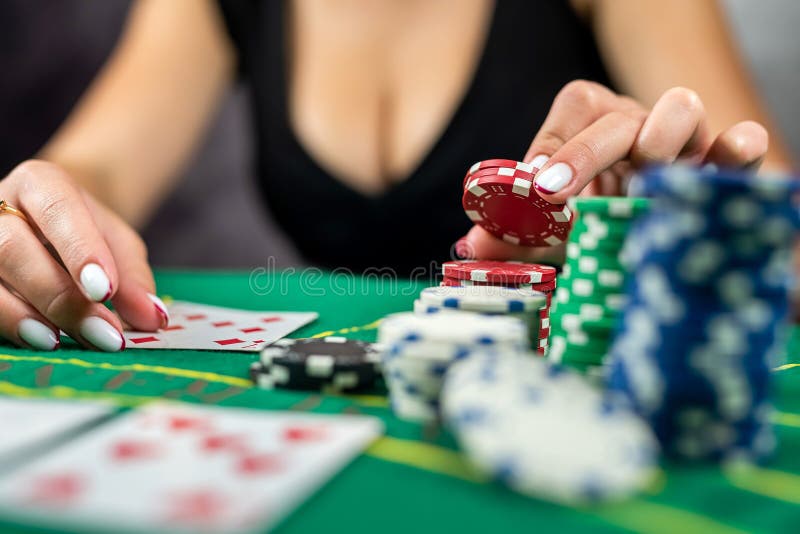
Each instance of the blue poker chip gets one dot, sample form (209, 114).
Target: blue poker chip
(703, 186)
(707, 309)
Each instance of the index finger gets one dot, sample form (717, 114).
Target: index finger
(56, 209)
(577, 105)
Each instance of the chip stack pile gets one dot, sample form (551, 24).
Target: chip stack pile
(421, 348)
(544, 431)
(522, 303)
(708, 306)
(330, 364)
(525, 278)
(591, 291)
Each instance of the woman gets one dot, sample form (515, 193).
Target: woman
(367, 114)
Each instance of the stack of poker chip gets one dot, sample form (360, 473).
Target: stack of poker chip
(591, 292)
(522, 303)
(419, 350)
(526, 278)
(708, 307)
(499, 196)
(544, 431)
(330, 364)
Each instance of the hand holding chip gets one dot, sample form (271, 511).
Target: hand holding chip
(593, 138)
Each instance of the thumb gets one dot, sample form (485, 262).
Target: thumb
(135, 300)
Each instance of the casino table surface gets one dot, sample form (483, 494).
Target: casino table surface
(412, 479)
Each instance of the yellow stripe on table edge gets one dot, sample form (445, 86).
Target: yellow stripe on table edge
(425, 456)
(654, 518)
(65, 392)
(349, 329)
(364, 400)
(779, 418)
(778, 485)
(137, 367)
(786, 419)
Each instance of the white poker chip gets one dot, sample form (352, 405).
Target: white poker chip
(468, 329)
(528, 317)
(484, 298)
(546, 432)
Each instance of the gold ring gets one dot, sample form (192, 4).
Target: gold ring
(5, 207)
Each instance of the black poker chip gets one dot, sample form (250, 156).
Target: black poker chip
(329, 364)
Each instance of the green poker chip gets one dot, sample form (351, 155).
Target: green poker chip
(603, 280)
(601, 326)
(587, 311)
(561, 351)
(611, 207)
(613, 233)
(581, 340)
(574, 251)
(611, 301)
(591, 287)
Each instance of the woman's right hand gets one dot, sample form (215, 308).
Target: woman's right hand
(70, 255)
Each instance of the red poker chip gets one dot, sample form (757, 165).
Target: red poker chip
(543, 287)
(497, 163)
(510, 209)
(499, 272)
(544, 333)
(499, 171)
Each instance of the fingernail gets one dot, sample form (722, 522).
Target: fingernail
(38, 335)
(95, 282)
(539, 161)
(463, 249)
(160, 308)
(102, 335)
(554, 179)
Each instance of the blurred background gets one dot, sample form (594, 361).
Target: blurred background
(51, 49)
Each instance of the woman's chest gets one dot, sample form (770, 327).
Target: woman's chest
(372, 84)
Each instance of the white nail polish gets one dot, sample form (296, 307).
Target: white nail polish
(37, 335)
(95, 282)
(555, 178)
(101, 334)
(160, 306)
(539, 161)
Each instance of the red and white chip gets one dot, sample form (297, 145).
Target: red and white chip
(543, 287)
(503, 202)
(499, 272)
(498, 163)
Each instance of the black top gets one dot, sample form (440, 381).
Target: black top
(533, 49)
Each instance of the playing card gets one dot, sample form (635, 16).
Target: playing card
(184, 468)
(199, 326)
(25, 423)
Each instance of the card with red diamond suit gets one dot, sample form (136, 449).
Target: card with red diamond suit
(183, 468)
(203, 327)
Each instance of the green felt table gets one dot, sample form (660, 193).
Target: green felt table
(413, 479)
